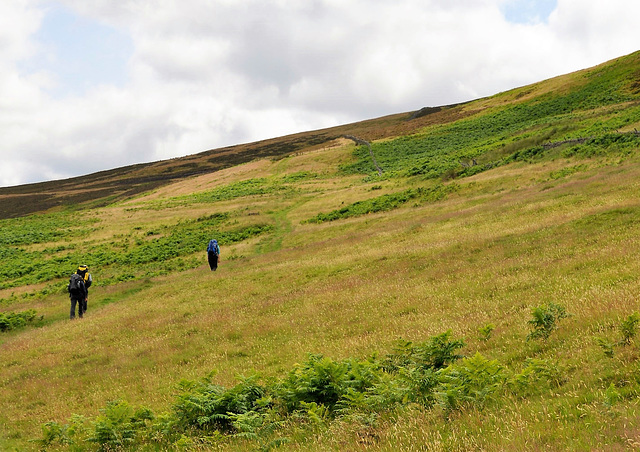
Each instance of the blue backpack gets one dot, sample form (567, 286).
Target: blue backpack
(213, 246)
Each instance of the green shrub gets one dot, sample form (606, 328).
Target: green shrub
(606, 345)
(434, 353)
(119, 425)
(629, 328)
(324, 381)
(259, 427)
(386, 202)
(537, 375)
(474, 380)
(14, 320)
(418, 384)
(545, 320)
(485, 331)
(417, 366)
(438, 352)
(612, 396)
(385, 394)
(209, 407)
(54, 434)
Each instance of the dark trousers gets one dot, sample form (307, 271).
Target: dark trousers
(213, 260)
(82, 307)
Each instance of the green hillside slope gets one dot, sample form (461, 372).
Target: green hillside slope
(480, 294)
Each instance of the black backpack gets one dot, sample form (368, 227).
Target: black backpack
(76, 285)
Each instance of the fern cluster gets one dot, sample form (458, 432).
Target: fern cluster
(140, 253)
(628, 331)
(545, 320)
(13, 320)
(432, 374)
(386, 202)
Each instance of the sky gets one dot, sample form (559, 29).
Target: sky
(90, 85)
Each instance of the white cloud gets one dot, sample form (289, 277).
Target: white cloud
(18, 20)
(202, 74)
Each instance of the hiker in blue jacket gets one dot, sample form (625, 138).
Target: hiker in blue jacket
(213, 254)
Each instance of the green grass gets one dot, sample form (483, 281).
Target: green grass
(336, 323)
(138, 254)
(386, 202)
(521, 126)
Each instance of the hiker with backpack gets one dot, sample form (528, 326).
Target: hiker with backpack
(83, 271)
(213, 254)
(78, 288)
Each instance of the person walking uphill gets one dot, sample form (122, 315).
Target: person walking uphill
(83, 271)
(77, 294)
(78, 288)
(213, 254)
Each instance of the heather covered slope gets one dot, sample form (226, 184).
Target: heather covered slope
(501, 220)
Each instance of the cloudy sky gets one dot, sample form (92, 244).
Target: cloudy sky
(88, 85)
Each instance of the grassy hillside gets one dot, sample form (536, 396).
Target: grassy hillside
(481, 294)
(105, 187)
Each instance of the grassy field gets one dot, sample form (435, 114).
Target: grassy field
(480, 226)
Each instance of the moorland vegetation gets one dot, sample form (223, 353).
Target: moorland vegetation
(479, 294)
